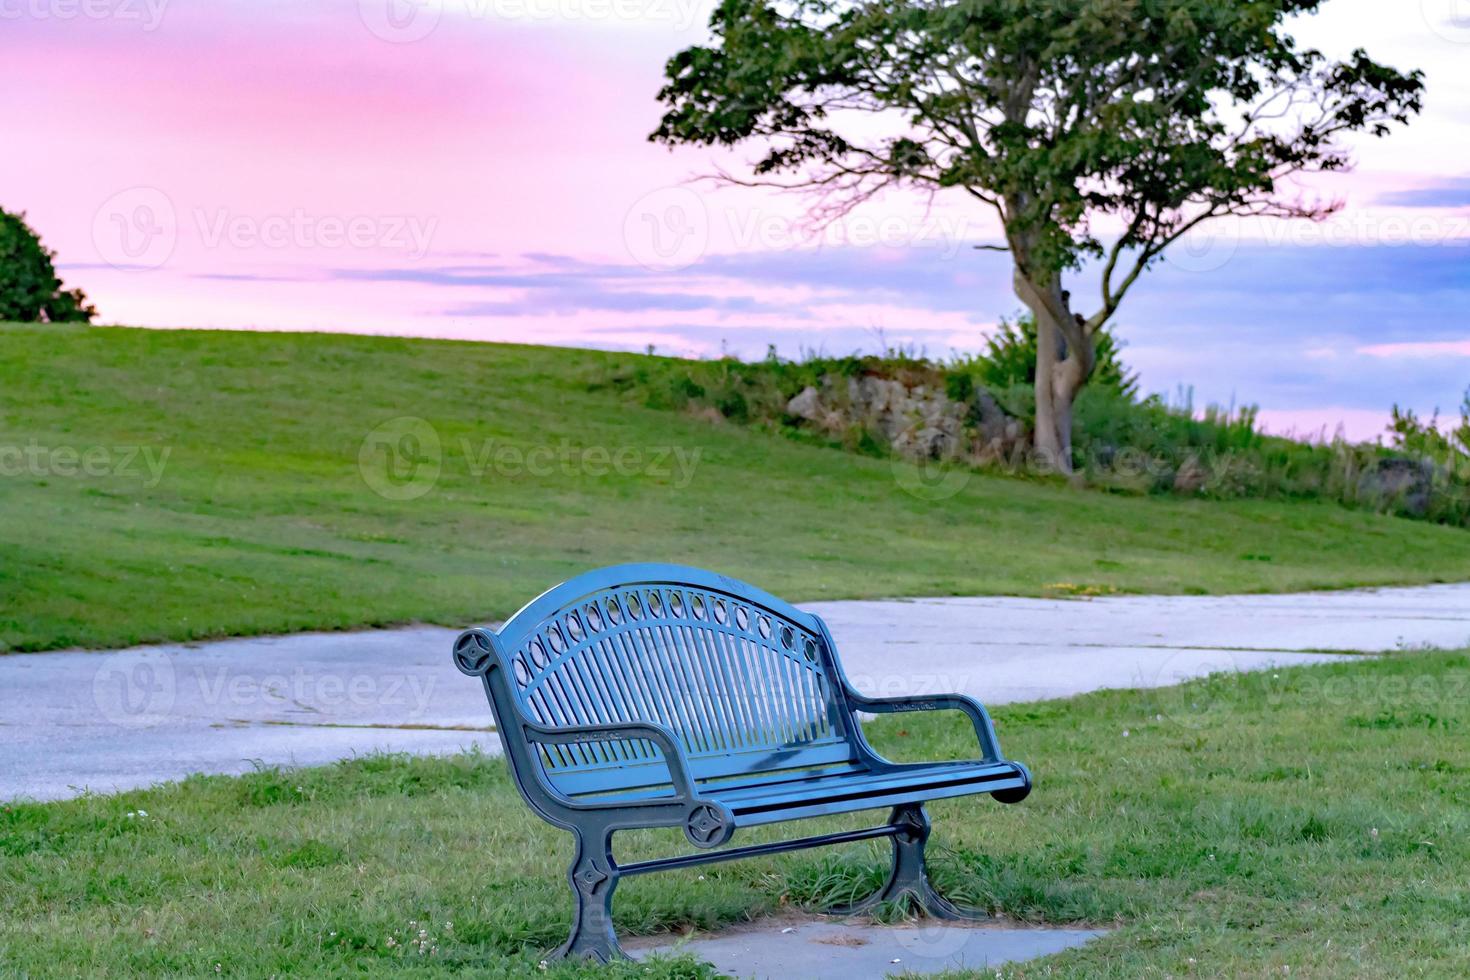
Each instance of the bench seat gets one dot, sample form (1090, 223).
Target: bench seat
(824, 793)
(645, 696)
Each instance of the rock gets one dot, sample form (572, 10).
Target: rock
(806, 405)
(925, 443)
(881, 403)
(917, 420)
(709, 414)
(994, 422)
(1191, 477)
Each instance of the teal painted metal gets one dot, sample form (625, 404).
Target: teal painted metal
(662, 696)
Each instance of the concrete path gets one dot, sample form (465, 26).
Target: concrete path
(821, 949)
(107, 721)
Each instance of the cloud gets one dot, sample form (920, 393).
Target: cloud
(1292, 328)
(563, 301)
(542, 284)
(1451, 193)
(244, 277)
(1442, 348)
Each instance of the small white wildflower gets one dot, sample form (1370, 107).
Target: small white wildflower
(1125, 733)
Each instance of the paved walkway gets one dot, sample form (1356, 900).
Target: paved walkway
(79, 720)
(823, 949)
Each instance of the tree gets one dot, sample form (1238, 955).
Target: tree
(1153, 116)
(30, 292)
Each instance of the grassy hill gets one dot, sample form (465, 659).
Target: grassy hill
(184, 484)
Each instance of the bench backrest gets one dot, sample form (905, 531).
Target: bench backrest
(744, 680)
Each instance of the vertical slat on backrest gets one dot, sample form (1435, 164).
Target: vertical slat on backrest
(721, 689)
(759, 699)
(729, 677)
(769, 692)
(671, 662)
(744, 723)
(671, 659)
(617, 691)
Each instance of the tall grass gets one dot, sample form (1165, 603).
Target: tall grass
(1121, 442)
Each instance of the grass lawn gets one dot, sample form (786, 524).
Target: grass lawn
(1316, 819)
(261, 517)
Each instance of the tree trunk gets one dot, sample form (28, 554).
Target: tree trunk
(1048, 435)
(1064, 359)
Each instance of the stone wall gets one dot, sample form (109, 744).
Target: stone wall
(917, 421)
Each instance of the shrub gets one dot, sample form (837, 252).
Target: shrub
(30, 291)
(1010, 359)
(1427, 440)
(1122, 443)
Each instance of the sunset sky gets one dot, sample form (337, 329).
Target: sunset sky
(479, 170)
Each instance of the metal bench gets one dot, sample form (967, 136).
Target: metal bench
(661, 696)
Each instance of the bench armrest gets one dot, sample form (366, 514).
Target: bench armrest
(979, 717)
(660, 735)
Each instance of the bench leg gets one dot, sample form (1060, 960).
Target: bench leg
(909, 878)
(593, 876)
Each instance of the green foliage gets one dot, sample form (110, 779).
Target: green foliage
(1220, 453)
(30, 291)
(1010, 358)
(1109, 420)
(1120, 443)
(1056, 113)
(1061, 117)
(1426, 439)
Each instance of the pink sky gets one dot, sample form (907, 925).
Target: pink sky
(250, 164)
